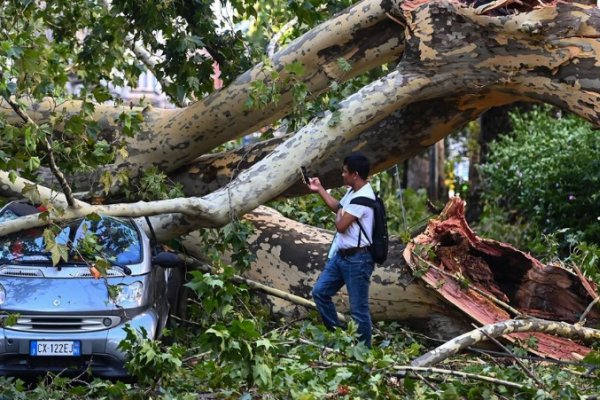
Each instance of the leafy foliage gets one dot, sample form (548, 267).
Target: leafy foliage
(543, 190)
(147, 361)
(547, 170)
(42, 52)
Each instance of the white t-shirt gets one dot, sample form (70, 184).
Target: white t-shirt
(349, 238)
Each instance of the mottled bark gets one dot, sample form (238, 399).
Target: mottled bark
(401, 135)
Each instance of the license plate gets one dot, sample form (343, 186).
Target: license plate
(55, 348)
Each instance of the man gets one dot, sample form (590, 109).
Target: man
(349, 262)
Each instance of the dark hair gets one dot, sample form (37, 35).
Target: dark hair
(358, 162)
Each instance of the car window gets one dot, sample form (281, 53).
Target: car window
(118, 240)
(7, 215)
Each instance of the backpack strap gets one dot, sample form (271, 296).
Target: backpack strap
(367, 202)
(361, 231)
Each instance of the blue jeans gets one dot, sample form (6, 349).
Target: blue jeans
(355, 272)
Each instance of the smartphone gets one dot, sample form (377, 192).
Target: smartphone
(305, 177)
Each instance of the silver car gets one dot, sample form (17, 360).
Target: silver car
(63, 316)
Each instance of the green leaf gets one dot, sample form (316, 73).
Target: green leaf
(266, 343)
(295, 68)
(33, 164)
(262, 374)
(101, 94)
(344, 65)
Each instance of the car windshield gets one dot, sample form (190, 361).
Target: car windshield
(117, 241)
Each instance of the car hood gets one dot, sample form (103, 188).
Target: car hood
(69, 295)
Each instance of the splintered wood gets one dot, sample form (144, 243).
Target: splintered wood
(492, 282)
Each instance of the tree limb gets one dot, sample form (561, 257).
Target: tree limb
(48, 147)
(40, 194)
(273, 43)
(503, 328)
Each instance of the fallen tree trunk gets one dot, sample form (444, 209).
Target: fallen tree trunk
(290, 256)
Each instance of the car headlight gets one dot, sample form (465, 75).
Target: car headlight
(2, 294)
(129, 293)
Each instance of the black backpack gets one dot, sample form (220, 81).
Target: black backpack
(379, 247)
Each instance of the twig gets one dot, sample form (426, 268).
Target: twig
(195, 357)
(511, 355)
(285, 327)
(324, 348)
(431, 370)
(187, 321)
(587, 310)
(426, 381)
(272, 46)
(52, 161)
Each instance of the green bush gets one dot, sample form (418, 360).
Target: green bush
(542, 190)
(546, 173)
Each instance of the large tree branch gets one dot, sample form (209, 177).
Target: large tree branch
(163, 226)
(362, 35)
(504, 328)
(401, 135)
(276, 172)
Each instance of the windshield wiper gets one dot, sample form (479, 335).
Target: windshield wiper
(46, 254)
(22, 256)
(126, 270)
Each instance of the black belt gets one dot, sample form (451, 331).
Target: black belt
(352, 251)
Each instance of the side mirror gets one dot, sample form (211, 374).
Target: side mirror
(167, 260)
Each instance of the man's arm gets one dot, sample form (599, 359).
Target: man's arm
(343, 220)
